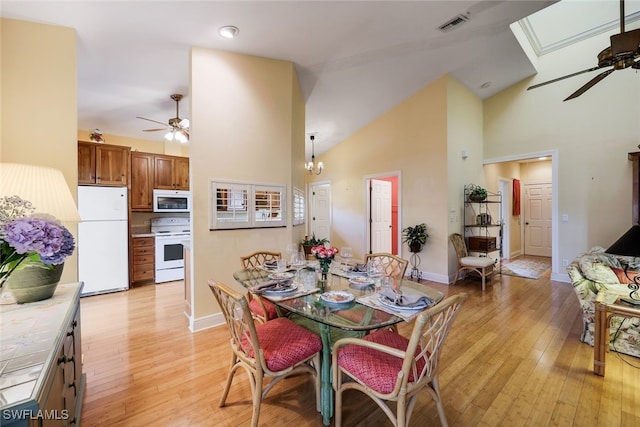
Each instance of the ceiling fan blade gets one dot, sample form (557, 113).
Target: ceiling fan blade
(589, 84)
(154, 121)
(153, 130)
(564, 77)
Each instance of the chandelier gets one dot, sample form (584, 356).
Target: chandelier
(310, 167)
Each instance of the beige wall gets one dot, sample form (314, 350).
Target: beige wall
(464, 130)
(247, 125)
(410, 139)
(592, 135)
(39, 108)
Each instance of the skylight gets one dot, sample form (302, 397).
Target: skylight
(570, 21)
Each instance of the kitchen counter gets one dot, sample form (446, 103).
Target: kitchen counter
(143, 235)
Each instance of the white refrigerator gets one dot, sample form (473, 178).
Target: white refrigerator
(103, 239)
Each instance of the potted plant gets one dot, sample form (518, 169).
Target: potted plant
(415, 237)
(309, 242)
(475, 193)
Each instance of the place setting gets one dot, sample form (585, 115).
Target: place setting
(337, 299)
(406, 303)
(287, 285)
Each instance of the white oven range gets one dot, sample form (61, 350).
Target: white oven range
(170, 233)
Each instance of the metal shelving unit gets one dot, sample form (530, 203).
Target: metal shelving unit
(483, 225)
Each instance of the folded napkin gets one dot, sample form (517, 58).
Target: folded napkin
(359, 268)
(406, 300)
(270, 264)
(272, 285)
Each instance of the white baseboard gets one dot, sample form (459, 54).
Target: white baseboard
(438, 278)
(560, 277)
(206, 322)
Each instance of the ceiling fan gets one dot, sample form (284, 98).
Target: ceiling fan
(624, 52)
(176, 128)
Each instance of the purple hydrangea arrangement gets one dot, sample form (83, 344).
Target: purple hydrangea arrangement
(26, 239)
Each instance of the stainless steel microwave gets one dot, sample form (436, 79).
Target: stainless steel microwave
(171, 201)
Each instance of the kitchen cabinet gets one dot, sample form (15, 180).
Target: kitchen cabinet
(171, 172)
(42, 383)
(102, 164)
(143, 264)
(142, 174)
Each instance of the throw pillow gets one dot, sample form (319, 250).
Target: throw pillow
(597, 268)
(625, 278)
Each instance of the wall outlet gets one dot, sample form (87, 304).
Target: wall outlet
(565, 262)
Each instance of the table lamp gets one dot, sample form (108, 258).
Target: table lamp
(44, 187)
(629, 245)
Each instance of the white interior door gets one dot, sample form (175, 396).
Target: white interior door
(537, 219)
(320, 212)
(506, 209)
(380, 216)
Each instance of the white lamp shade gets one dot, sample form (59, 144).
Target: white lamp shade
(44, 187)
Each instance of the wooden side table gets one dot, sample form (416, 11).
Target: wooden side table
(607, 305)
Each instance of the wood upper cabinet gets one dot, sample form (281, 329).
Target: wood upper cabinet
(150, 171)
(171, 172)
(142, 173)
(102, 164)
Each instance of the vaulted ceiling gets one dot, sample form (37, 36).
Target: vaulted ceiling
(355, 60)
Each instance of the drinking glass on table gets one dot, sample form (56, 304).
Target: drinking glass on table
(298, 261)
(291, 249)
(374, 272)
(345, 254)
(281, 265)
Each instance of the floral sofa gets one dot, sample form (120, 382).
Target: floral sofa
(593, 272)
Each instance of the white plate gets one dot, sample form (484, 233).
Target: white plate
(281, 276)
(291, 287)
(384, 301)
(361, 281)
(337, 297)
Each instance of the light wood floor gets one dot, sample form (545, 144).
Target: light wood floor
(513, 358)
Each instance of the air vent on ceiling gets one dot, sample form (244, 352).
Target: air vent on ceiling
(453, 23)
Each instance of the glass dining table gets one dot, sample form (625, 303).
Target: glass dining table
(357, 313)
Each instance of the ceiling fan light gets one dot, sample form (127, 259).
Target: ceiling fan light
(169, 135)
(184, 123)
(181, 137)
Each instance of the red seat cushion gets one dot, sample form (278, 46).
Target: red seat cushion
(377, 370)
(285, 343)
(255, 307)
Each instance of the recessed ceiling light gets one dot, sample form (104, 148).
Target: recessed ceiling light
(228, 31)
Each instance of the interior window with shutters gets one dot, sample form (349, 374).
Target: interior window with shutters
(298, 206)
(245, 205)
(268, 204)
(231, 202)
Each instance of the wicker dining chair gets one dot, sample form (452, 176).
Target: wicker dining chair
(483, 266)
(392, 265)
(262, 309)
(388, 367)
(275, 349)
